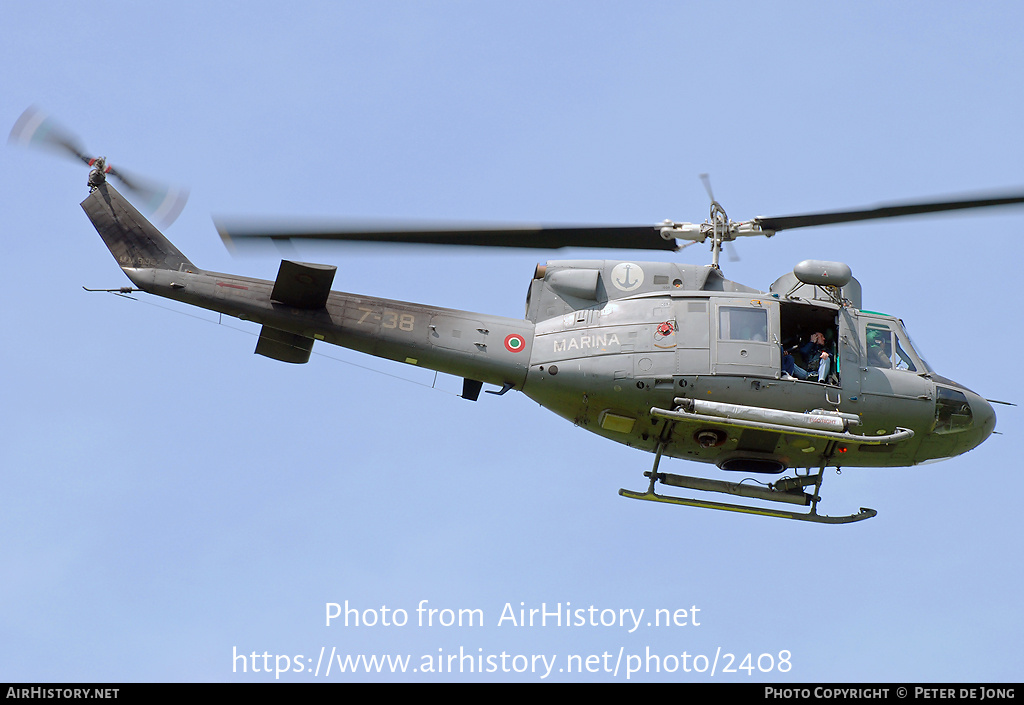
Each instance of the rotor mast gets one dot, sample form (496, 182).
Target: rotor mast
(719, 222)
(720, 226)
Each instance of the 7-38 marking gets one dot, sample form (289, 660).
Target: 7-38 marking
(388, 319)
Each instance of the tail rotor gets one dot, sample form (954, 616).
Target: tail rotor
(37, 129)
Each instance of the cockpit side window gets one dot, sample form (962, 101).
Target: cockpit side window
(886, 349)
(879, 345)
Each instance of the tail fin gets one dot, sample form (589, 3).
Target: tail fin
(133, 240)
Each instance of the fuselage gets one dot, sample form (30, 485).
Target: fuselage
(671, 331)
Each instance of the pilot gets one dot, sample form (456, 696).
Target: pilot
(878, 349)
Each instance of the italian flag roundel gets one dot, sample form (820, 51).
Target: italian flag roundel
(514, 343)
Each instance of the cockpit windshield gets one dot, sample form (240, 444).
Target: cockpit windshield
(916, 350)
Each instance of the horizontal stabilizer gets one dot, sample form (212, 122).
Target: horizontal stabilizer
(303, 285)
(471, 389)
(284, 346)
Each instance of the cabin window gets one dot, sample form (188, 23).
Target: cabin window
(743, 324)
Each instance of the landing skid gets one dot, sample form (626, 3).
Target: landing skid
(789, 490)
(812, 516)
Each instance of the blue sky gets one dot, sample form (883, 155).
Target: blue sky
(170, 499)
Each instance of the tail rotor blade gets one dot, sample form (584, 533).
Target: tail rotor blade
(164, 202)
(37, 129)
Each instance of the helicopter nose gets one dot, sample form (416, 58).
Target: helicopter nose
(962, 418)
(984, 417)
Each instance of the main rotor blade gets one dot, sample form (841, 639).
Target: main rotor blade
(641, 237)
(884, 211)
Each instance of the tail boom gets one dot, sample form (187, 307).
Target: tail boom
(481, 347)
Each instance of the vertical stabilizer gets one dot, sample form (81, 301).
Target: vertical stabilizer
(133, 240)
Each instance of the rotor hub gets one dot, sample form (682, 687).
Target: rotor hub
(99, 171)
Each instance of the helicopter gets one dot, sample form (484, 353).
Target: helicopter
(670, 358)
